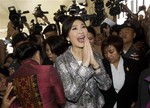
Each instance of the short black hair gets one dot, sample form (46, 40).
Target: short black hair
(91, 30)
(128, 25)
(19, 38)
(116, 41)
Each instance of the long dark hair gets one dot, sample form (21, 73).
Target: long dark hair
(57, 44)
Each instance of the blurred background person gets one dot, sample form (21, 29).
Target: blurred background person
(6, 102)
(7, 63)
(36, 37)
(54, 47)
(2, 52)
(16, 41)
(98, 37)
(3, 76)
(115, 30)
(130, 49)
(13, 29)
(105, 30)
(50, 30)
(91, 37)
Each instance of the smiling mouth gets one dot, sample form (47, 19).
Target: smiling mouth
(81, 39)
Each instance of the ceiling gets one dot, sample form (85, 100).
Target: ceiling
(46, 5)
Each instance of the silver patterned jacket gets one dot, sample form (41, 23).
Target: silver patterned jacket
(81, 84)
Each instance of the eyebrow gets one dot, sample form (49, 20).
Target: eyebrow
(76, 25)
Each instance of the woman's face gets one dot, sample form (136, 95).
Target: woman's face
(49, 53)
(77, 34)
(91, 38)
(98, 37)
(2, 83)
(111, 54)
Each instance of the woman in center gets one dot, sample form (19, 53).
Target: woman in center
(81, 69)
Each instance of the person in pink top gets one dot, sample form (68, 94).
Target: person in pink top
(36, 85)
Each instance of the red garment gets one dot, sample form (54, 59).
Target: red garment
(49, 85)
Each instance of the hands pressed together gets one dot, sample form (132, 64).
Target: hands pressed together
(88, 57)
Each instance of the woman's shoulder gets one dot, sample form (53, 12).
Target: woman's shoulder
(61, 58)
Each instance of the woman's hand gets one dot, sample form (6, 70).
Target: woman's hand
(88, 57)
(93, 61)
(86, 53)
(6, 101)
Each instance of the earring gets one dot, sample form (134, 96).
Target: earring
(68, 42)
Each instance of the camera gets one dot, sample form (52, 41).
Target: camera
(61, 14)
(115, 7)
(35, 27)
(74, 9)
(99, 6)
(38, 11)
(97, 18)
(16, 18)
(142, 7)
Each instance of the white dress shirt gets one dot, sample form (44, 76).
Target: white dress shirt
(118, 76)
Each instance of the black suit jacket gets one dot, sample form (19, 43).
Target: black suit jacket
(129, 91)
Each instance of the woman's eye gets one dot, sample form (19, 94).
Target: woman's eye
(84, 26)
(111, 52)
(74, 28)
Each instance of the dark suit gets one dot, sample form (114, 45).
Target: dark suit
(143, 93)
(49, 85)
(128, 93)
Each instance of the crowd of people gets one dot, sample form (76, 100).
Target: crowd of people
(79, 68)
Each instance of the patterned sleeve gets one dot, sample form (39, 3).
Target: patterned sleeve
(73, 84)
(103, 79)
